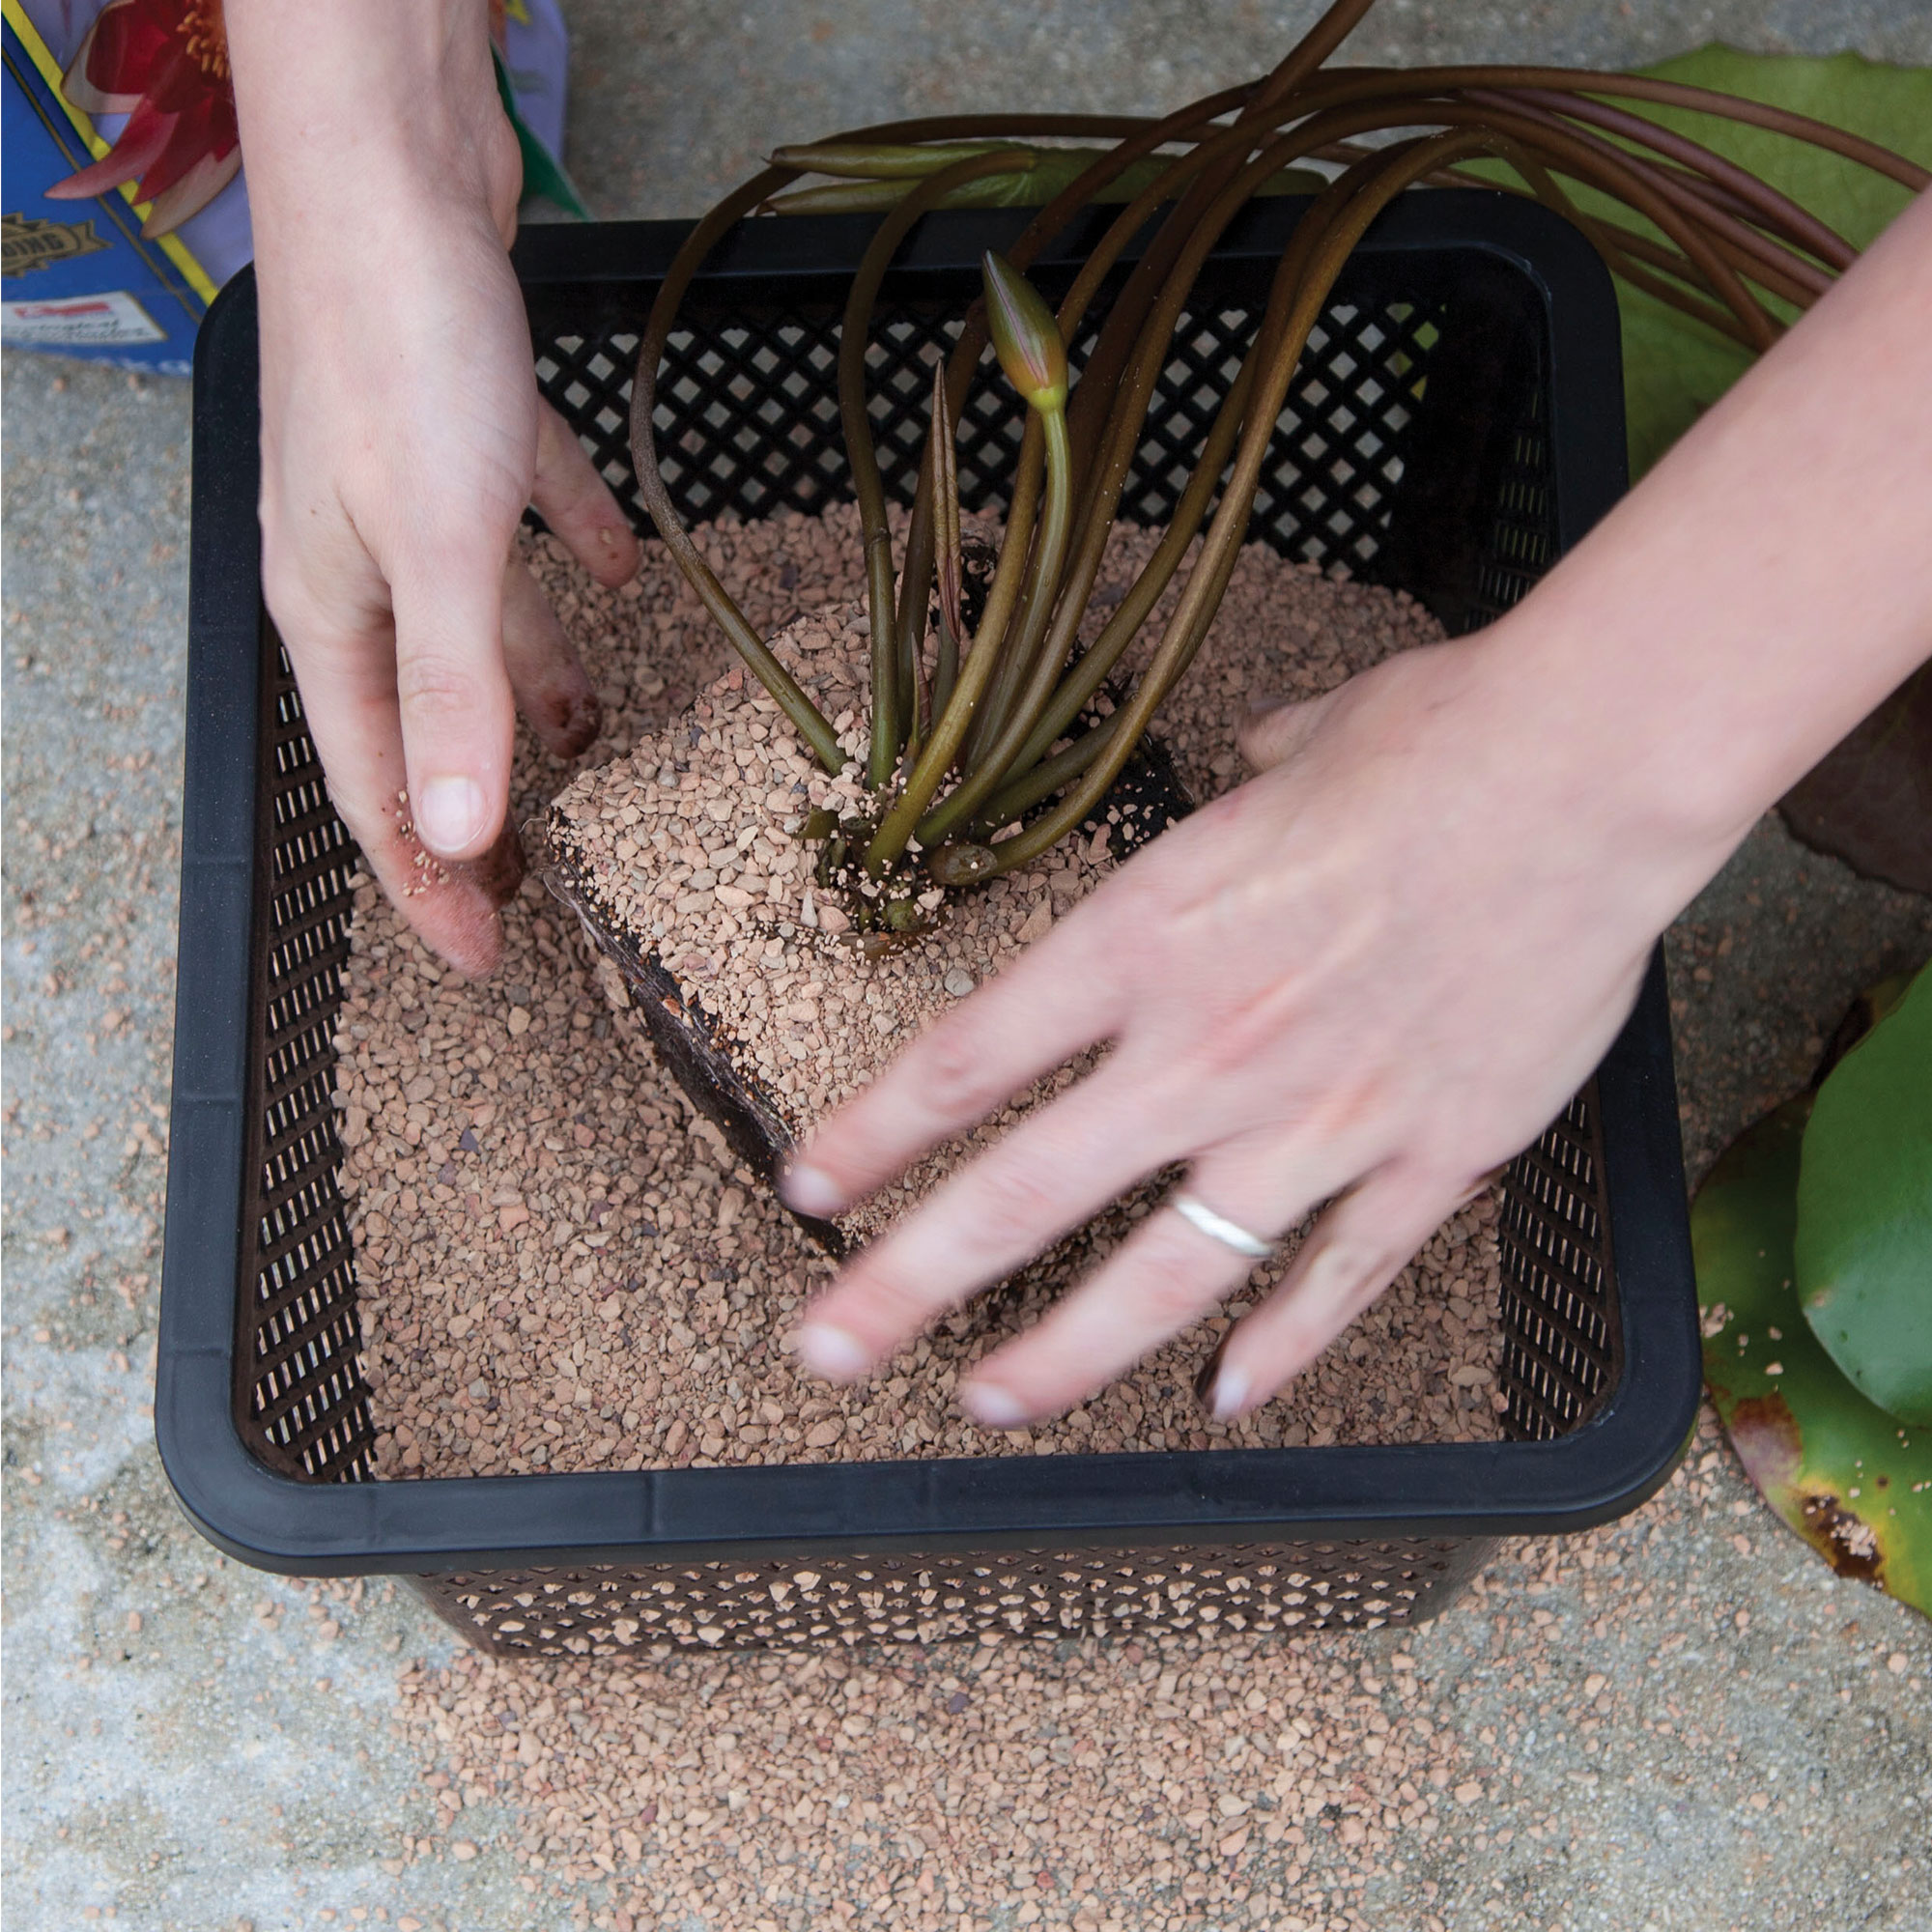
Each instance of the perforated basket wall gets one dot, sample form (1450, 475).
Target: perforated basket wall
(605, 1610)
(748, 416)
(1412, 449)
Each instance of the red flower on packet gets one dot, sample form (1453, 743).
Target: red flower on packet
(164, 64)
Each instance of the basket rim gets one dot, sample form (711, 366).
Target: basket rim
(1598, 1471)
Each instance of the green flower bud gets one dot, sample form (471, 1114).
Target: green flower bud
(1026, 337)
(877, 160)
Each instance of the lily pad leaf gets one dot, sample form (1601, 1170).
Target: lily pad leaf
(1864, 1241)
(1674, 366)
(1854, 1482)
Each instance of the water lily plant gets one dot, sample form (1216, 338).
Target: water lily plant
(1020, 731)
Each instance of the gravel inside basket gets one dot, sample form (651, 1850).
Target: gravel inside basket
(688, 863)
(561, 1263)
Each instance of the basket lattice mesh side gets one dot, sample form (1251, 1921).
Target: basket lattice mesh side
(748, 423)
(747, 417)
(603, 1611)
(303, 1401)
(1522, 535)
(1562, 1341)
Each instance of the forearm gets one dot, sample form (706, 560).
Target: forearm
(342, 105)
(1766, 586)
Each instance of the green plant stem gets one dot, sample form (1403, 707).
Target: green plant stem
(880, 161)
(915, 581)
(890, 716)
(949, 731)
(1407, 162)
(1024, 737)
(1033, 189)
(1020, 794)
(1049, 554)
(1015, 667)
(1095, 665)
(942, 472)
(945, 668)
(1045, 712)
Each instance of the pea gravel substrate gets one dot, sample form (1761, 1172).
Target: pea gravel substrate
(560, 1267)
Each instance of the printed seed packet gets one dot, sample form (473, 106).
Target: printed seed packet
(125, 207)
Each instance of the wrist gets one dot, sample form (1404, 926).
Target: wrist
(1627, 779)
(1765, 587)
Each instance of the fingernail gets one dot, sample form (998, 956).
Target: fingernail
(1231, 1394)
(830, 1351)
(992, 1406)
(811, 1191)
(449, 813)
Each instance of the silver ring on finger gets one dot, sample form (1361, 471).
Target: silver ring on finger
(1218, 1228)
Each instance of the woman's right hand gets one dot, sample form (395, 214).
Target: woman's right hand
(402, 438)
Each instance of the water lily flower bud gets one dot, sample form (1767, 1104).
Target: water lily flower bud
(1026, 337)
(880, 161)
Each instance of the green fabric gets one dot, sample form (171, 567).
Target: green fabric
(543, 172)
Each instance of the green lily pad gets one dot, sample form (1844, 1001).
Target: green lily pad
(1854, 1482)
(1863, 1245)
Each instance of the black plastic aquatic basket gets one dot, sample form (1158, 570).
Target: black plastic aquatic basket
(1456, 425)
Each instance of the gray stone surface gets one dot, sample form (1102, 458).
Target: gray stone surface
(672, 104)
(192, 1746)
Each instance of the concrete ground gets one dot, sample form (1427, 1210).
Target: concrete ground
(192, 1746)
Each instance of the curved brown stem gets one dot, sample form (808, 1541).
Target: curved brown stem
(888, 719)
(1698, 194)
(1337, 85)
(1586, 157)
(1774, 210)
(1112, 353)
(811, 725)
(1407, 162)
(915, 581)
